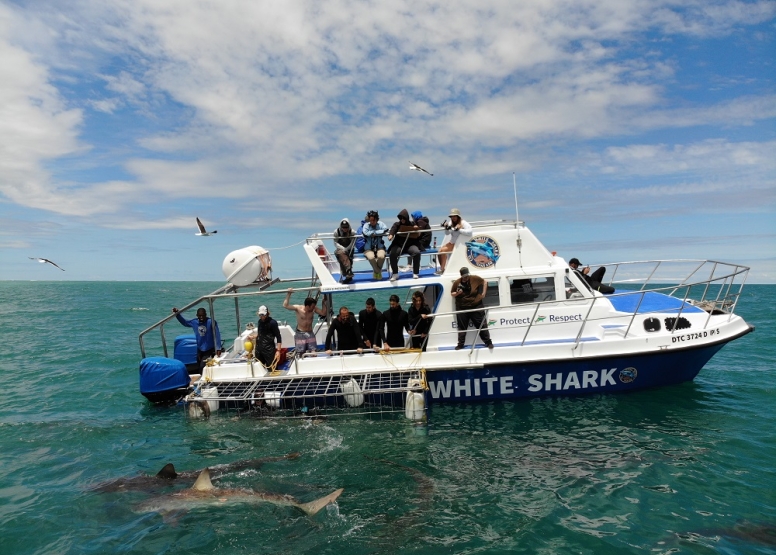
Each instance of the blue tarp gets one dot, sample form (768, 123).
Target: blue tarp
(159, 374)
(185, 348)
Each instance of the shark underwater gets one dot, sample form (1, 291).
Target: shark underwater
(203, 494)
(168, 476)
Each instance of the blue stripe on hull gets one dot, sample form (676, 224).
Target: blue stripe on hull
(571, 377)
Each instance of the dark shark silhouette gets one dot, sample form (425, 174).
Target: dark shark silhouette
(168, 476)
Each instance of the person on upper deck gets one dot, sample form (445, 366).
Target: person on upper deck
(469, 290)
(423, 224)
(592, 280)
(268, 340)
(344, 246)
(304, 337)
(454, 228)
(206, 333)
(369, 319)
(417, 318)
(348, 333)
(405, 237)
(393, 324)
(374, 245)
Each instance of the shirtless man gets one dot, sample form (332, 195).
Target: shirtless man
(304, 338)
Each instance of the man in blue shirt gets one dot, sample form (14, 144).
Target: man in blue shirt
(204, 329)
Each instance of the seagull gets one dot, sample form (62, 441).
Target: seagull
(202, 231)
(45, 261)
(419, 169)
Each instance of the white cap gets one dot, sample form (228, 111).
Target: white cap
(262, 310)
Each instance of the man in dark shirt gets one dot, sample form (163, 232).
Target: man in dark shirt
(369, 319)
(348, 332)
(393, 324)
(593, 280)
(268, 334)
(469, 290)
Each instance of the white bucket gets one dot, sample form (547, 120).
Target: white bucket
(272, 398)
(415, 406)
(353, 395)
(208, 393)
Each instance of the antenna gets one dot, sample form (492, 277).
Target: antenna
(514, 186)
(517, 216)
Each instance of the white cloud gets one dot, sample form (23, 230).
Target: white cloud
(277, 94)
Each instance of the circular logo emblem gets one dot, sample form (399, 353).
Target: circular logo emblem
(482, 251)
(628, 375)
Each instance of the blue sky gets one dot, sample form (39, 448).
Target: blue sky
(637, 129)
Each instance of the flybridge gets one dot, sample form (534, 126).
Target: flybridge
(551, 334)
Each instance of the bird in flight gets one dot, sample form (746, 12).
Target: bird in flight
(202, 231)
(419, 169)
(45, 261)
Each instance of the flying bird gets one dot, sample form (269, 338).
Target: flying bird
(45, 261)
(419, 169)
(202, 231)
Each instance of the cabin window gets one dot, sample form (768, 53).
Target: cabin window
(491, 296)
(532, 290)
(571, 290)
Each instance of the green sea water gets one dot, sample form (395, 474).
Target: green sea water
(682, 469)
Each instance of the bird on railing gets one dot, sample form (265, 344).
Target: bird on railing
(202, 231)
(45, 261)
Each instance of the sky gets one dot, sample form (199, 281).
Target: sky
(635, 129)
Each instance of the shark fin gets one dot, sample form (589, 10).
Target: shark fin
(203, 482)
(314, 506)
(167, 472)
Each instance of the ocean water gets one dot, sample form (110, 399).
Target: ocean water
(683, 469)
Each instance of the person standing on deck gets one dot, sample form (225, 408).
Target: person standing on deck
(469, 290)
(393, 324)
(369, 320)
(267, 334)
(206, 332)
(417, 317)
(348, 332)
(304, 338)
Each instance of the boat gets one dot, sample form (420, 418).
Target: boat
(552, 333)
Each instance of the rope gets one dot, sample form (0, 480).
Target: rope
(287, 247)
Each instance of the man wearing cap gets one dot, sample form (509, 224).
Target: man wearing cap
(454, 228)
(267, 334)
(593, 280)
(344, 245)
(469, 290)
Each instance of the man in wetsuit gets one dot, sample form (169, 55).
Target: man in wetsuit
(348, 332)
(393, 324)
(267, 334)
(304, 338)
(369, 319)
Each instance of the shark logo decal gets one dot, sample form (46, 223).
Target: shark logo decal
(482, 251)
